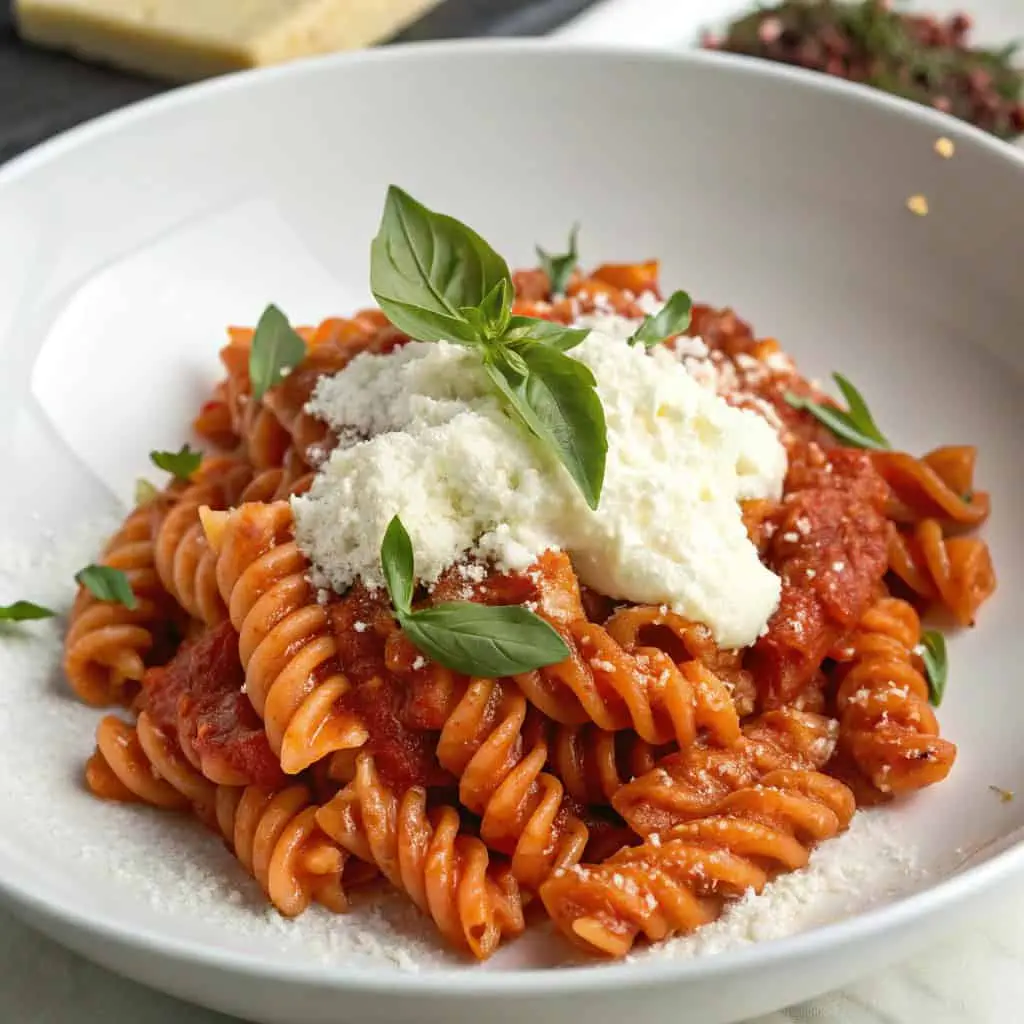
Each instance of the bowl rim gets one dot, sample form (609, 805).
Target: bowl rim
(914, 910)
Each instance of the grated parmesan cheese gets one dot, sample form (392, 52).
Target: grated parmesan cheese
(425, 437)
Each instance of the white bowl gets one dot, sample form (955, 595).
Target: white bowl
(128, 244)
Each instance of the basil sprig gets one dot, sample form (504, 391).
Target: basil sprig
(932, 650)
(437, 279)
(474, 639)
(559, 266)
(855, 425)
(24, 611)
(276, 350)
(182, 463)
(108, 585)
(673, 318)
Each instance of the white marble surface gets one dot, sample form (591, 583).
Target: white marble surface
(974, 977)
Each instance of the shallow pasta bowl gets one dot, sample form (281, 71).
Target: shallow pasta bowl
(130, 243)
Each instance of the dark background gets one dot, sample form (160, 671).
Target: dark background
(44, 93)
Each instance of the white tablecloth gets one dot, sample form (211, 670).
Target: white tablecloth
(976, 977)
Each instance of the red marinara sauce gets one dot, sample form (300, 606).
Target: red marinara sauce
(830, 546)
(199, 698)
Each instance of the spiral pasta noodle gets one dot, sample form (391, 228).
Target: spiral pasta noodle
(501, 778)
(449, 875)
(634, 687)
(292, 674)
(690, 783)
(273, 833)
(107, 644)
(677, 881)
(886, 723)
(183, 558)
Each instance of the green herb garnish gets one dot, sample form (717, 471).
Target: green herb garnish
(474, 639)
(24, 611)
(559, 266)
(673, 318)
(145, 492)
(932, 650)
(855, 425)
(436, 279)
(182, 463)
(276, 350)
(108, 585)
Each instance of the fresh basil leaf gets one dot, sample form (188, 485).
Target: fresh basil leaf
(528, 328)
(673, 318)
(108, 585)
(559, 267)
(932, 649)
(836, 420)
(482, 640)
(858, 411)
(182, 463)
(396, 559)
(427, 268)
(276, 350)
(496, 308)
(145, 492)
(24, 611)
(557, 402)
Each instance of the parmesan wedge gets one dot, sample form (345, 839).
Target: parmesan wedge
(189, 39)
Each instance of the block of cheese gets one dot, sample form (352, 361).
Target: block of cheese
(189, 39)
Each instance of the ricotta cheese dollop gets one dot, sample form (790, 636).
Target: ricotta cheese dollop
(424, 436)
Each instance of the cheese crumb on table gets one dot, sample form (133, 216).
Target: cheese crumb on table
(189, 39)
(425, 436)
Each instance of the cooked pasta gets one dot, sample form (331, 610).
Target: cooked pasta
(273, 833)
(650, 766)
(885, 721)
(690, 783)
(677, 881)
(425, 853)
(108, 645)
(292, 675)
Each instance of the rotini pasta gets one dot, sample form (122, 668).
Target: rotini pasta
(637, 784)
(481, 741)
(678, 881)
(108, 646)
(691, 783)
(292, 675)
(446, 873)
(273, 833)
(886, 723)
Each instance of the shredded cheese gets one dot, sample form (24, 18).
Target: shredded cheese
(425, 436)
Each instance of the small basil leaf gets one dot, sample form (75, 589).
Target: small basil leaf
(496, 308)
(559, 267)
(859, 413)
(426, 268)
(182, 463)
(557, 402)
(24, 611)
(145, 492)
(481, 640)
(836, 420)
(107, 584)
(513, 361)
(673, 318)
(932, 649)
(276, 350)
(396, 559)
(528, 328)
